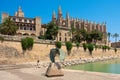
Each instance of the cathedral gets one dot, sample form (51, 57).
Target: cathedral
(65, 25)
(34, 27)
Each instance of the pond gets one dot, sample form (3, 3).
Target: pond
(110, 66)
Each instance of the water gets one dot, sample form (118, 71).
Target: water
(111, 66)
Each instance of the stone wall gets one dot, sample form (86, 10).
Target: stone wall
(39, 51)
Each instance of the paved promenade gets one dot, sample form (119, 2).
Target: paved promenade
(39, 74)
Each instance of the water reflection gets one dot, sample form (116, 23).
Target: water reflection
(111, 66)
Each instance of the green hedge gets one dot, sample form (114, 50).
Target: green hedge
(85, 46)
(90, 48)
(68, 46)
(27, 43)
(58, 44)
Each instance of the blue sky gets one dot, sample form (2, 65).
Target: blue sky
(93, 10)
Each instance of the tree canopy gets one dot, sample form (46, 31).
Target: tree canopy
(52, 31)
(96, 35)
(83, 35)
(8, 27)
(115, 36)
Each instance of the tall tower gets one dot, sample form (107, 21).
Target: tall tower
(4, 17)
(54, 17)
(59, 16)
(67, 20)
(38, 25)
(19, 13)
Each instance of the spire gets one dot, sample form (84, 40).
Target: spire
(77, 19)
(19, 13)
(59, 10)
(54, 15)
(19, 9)
(67, 15)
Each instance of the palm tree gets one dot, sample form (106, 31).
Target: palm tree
(115, 36)
(8, 27)
(108, 34)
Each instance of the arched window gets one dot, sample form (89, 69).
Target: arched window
(25, 34)
(32, 34)
(59, 38)
(65, 39)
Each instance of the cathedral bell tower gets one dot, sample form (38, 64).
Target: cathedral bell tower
(67, 20)
(19, 13)
(54, 17)
(59, 16)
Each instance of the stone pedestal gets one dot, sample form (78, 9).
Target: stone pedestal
(54, 69)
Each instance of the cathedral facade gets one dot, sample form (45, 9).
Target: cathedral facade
(65, 25)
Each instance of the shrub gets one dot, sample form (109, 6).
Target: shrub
(108, 48)
(68, 47)
(1, 38)
(115, 49)
(104, 48)
(58, 44)
(27, 43)
(90, 48)
(85, 46)
(77, 45)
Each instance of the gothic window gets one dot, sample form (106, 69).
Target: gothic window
(65, 39)
(59, 38)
